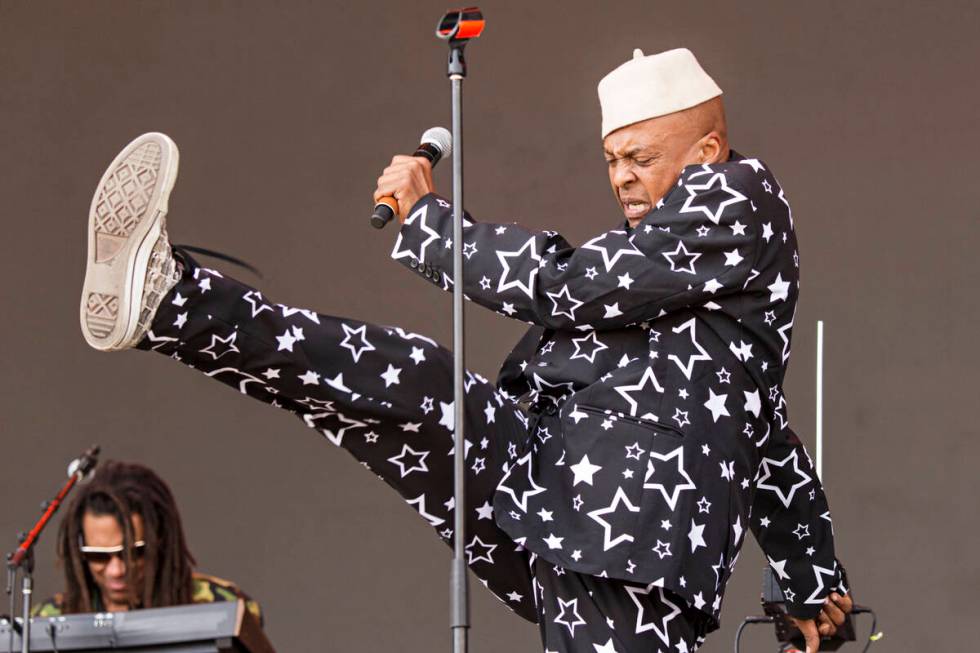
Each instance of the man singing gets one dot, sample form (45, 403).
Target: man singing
(635, 434)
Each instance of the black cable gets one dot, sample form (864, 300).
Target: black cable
(872, 636)
(746, 622)
(51, 634)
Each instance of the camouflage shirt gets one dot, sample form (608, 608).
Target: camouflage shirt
(205, 589)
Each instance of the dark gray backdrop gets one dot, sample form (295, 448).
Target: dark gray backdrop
(285, 113)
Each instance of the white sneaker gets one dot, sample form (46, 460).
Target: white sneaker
(130, 266)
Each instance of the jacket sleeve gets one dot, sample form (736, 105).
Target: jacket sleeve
(699, 245)
(791, 521)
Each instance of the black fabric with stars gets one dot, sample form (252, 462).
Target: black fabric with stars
(656, 361)
(656, 433)
(385, 395)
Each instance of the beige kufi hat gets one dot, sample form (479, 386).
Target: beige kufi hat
(651, 86)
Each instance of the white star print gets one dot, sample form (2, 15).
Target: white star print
(587, 347)
(419, 503)
(625, 281)
(584, 471)
(254, 298)
(779, 289)
(612, 310)
(416, 465)
(573, 303)
(765, 473)
(289, 338)
(625, 390)
(675, 492)
(712, 286)
(660, 629)
(609, 541)
(696, 536)
(716, 404)
(347, 342)
(732, 258)
(779, 567)
(310, 378)
(420, 215)
(716, 181)
(680, 416)
(390, 375)
(767, 231)
(485, 552)
(525, 494)
(570, 624)
(743, 352)
(628, 250)
(528, 287)
(727, 470)
(485, 511)
(819, 572)
(229, 342)
(553, 542)
(702, 355)
(608, 647)
(682, 252)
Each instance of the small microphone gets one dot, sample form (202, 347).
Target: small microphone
(436, 143)
(84, 465)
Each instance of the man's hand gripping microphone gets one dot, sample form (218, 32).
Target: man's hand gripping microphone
(397, 181)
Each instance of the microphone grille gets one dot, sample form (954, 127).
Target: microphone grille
(441, 138)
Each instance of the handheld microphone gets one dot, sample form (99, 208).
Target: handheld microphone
(436, 143)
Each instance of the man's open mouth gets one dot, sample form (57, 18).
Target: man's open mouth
(635, 208)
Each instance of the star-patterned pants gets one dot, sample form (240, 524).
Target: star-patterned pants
(385, 395)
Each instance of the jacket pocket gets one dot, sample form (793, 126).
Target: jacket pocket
(615, 448)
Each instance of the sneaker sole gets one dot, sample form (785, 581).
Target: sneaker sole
(125, 219)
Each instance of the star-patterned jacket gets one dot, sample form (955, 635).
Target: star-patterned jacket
(659, 430)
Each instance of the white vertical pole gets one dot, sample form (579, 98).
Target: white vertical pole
(820, 399)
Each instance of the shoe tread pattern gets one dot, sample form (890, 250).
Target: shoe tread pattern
(101, 313)
(124, 197)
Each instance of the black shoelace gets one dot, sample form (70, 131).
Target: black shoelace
(185, 252)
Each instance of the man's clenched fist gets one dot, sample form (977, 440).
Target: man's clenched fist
(826, 623)
(407, 179)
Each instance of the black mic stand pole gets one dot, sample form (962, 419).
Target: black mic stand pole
(458, 27)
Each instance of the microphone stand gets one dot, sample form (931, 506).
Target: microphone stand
(458, 27)
(23, 557)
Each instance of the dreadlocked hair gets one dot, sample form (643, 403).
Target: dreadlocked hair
(122, 489)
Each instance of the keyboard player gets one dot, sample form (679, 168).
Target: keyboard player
(122, 547)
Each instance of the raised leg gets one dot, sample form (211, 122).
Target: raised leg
(381, 393)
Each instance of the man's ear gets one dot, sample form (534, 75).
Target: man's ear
(710, 148)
